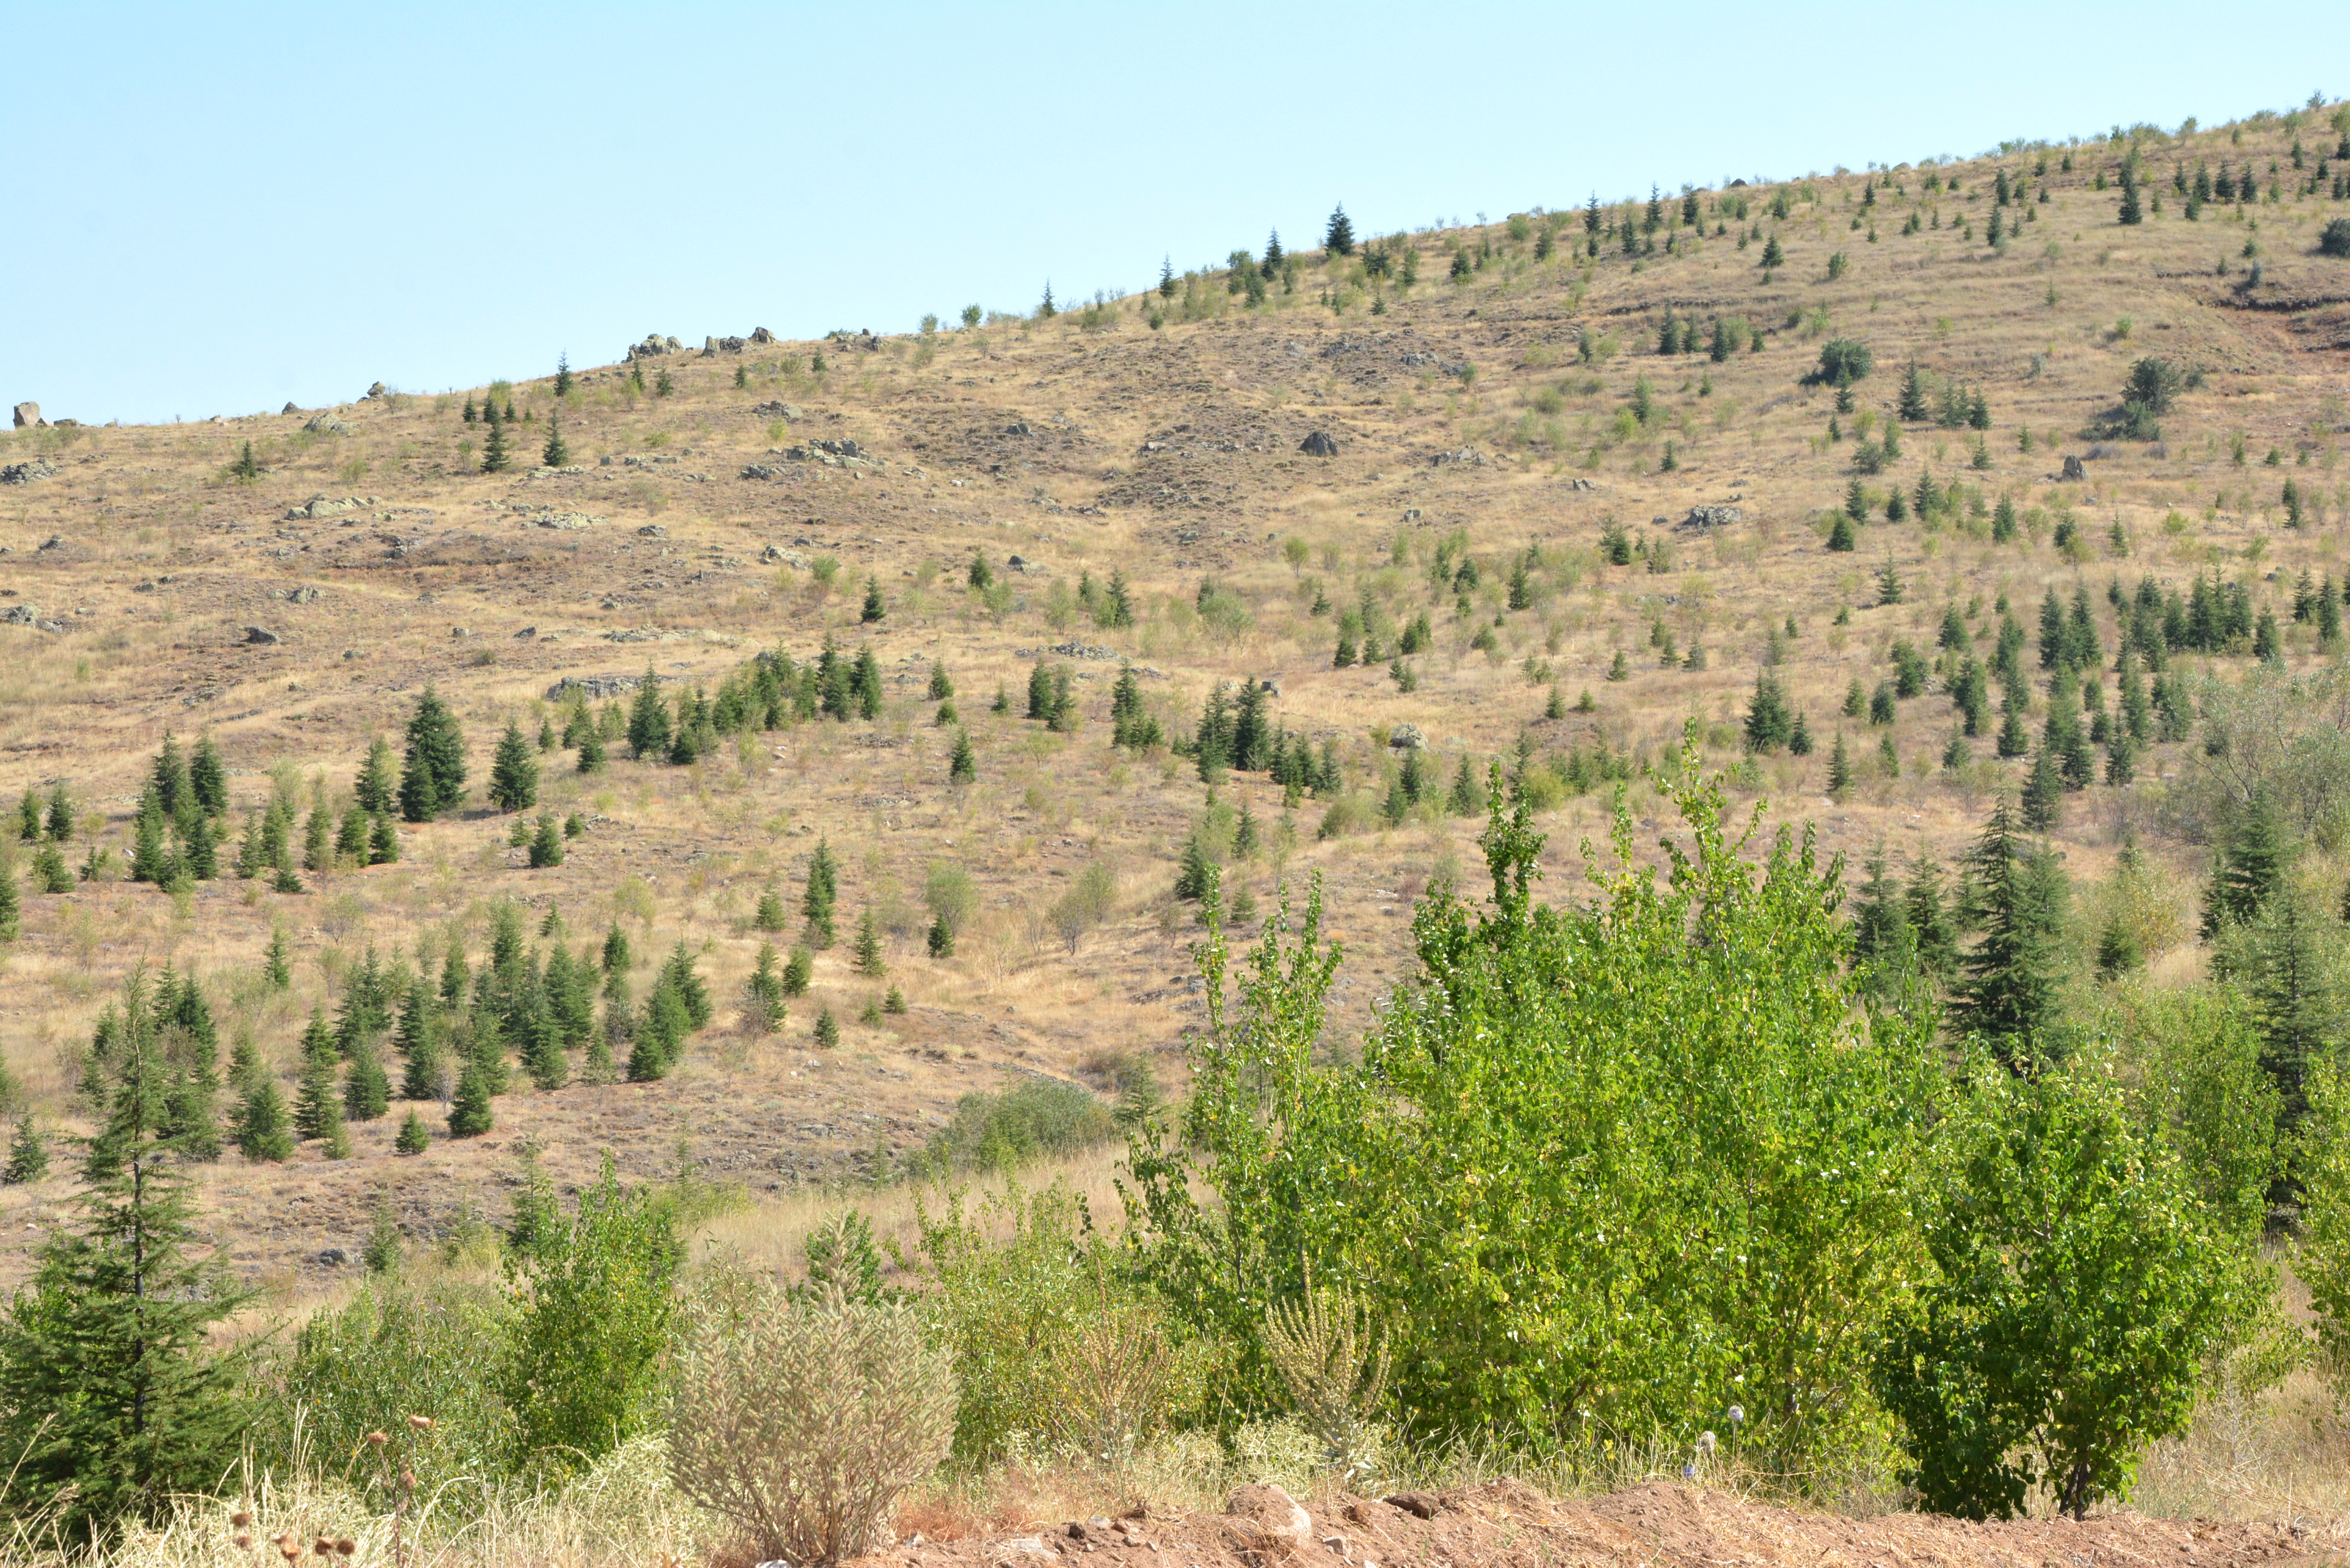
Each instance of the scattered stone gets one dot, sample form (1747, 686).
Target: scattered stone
(1406, 738)
(328, 506)
(1018, 428)
(761, 335)
(334, 1258)
(376, 390)
(775, 554)
(1016, 562)
(1411, 513)
(326, 424)
(2072, 469)
(652, 531)
(594, 687)
(526, 634)
(1467, 457)
(1419, 1504)
(261, 637)
(776, 410)
(306, 594)
(29, 414)
(1583, 484)
(1318, 445)
(289, 408)
(1710, 517)
(655, 345)
(53, 541)
(763, 470)
(841, 453)
(20, 615)
(1269, 686)
(26, 472)
(1280, 1523)
(568, 521)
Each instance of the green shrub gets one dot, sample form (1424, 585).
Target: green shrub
(398, 1351)
(1558, 1102)
(1034, 1118)
(2082, 1290)
(2334, 240)
(591, 1319)
(1843, 361)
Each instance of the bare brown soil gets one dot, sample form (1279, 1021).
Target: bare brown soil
(1507, 1524)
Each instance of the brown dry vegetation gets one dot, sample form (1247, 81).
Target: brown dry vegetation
(1087, 443)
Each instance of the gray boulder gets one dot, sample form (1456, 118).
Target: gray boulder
(1318, 445)
(326, 424)
(376, 390)
(2073, 468)
(29, 414)
(261, 637)
(1702, 517)
(761, 335)
(20, 615)
(26, 472)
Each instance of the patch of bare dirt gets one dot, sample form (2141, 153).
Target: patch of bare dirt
(1508, 1524)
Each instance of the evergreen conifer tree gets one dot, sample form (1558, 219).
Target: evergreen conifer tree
(770, 914)
(800, 968)
(2044, 793)
(1841, 537)
(563, 375)
(874, 608)
(555, 453)
(433, 773)
(542, 1046)
(317, 1102)
(377, 787)
(366, 1091)
(112, 1400)
(1338, 236)
(513, 771)
(28, 1153)
(823, 890)
(648, 729)
(940, 941)
(546, 842)
(1769, 725)
(414, 1136)
(1839, 768)
(495, 458)
(2007, 992)
(470, 1112)
(2132, 211)
(763, 994)
(941, 683)
(870, 960)
(2247, 870)
(262, 1130)
(591, 751)
(11, 904)
(207, 781)
(962, 766)
(828, 1029)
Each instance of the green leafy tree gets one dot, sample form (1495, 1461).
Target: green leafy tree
(2082, 1286)
(112, 1398)
(513, 771)
(1513, 1169)
(592, 1305)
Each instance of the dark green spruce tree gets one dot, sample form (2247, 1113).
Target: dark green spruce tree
(513, 771)
(112, 1400)
(432, 776)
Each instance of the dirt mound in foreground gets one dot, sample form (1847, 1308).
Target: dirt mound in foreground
(1507, 1524)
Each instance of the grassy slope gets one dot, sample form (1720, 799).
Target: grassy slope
(1169, 454)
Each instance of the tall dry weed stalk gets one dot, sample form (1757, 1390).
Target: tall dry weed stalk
(1335, 1361)
(803, 1421)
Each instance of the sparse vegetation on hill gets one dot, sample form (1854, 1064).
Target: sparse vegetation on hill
(1976, 525)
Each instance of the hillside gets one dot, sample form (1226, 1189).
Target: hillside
(1447, 430)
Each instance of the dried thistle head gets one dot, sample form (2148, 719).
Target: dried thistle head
(323, 1547)
(407, 1480)
(244, 1539)
(421, 1423)
(240, 1518)
(377, 1439)
(345, 1546)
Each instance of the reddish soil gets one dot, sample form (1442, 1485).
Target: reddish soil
(1507, 1524)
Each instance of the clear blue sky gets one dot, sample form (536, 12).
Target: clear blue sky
(217, 209)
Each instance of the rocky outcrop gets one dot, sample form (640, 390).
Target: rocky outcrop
(28, 415)
(1318, 445)
(26, 472)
